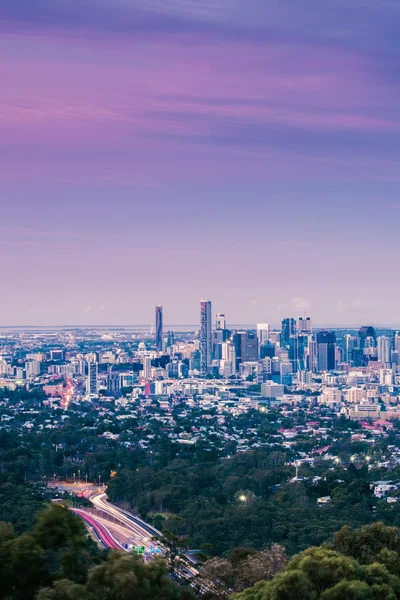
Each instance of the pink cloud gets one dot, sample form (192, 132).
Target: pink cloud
(137, 108)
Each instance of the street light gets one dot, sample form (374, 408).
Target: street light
(352, 458)
(242, 498)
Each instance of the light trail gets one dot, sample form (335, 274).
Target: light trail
(101, 531)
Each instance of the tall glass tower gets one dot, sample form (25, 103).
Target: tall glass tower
(159, 328)
(205, 337)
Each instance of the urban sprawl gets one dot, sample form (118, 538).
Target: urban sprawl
(192, 387)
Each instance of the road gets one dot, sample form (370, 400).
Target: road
(118, 528)
(101, 532)
(142, 533)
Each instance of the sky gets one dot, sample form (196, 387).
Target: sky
(168, 151)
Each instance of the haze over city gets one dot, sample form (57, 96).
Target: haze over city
(164, 152)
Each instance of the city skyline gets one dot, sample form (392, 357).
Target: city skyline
(168, 151)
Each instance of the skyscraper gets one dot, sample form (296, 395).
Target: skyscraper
(262, 333)
(205, 337)
(366, 332)
(288, 329)
(384, 349)
(397, 342)
(92, 377)
(304, 325)
(249, 347)
(350, 342)
(326, 342)
(220, 321)
(146, 367)
(159, 328)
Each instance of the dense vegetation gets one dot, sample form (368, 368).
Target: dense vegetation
(247, 501)
(359, 565)
(217, 498)
(57, 561)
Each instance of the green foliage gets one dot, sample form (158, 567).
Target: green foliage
(371, 543)
(204, 501)
(57, 561)
(63, 536)
(244, 567)
(56, 548)
(120, 577)
(324, 574)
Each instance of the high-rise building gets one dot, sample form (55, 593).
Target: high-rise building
(159, 328)
(384, 349)
(220, 321)
(350, 342)
(219, 336)
(205, 337)
(397, 342)
(312, 356)
(246, 347)
(146, 367)
(304, 325)
(366, 332)
(267, 350)
(32, 368)
(92, 378)
(298, 346)
(288, 329)
(326, 341)
(262, 333)
(249, 347)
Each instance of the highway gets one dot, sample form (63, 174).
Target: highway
(141, 532)
(119, 529)
(101, 532)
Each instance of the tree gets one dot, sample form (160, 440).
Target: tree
(63, 536)
(127, 577)
(371, 543)
(23, 568)
(244, 567)
(63, 590)
(324, 574)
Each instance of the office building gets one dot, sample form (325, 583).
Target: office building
(32, 368)
(267, 350)
(205, 337)
(262, 333)
(350, 342)
(298, 346)
(246, 347)
(326, 342)
(288, 329)
(304, 325)
(159, 328)
(220, 321)
(366, 332)
(249, 347)
(397, 342)
(272, 390)
(92, 378)
(384, 349)
(146, 367)
(264, 370)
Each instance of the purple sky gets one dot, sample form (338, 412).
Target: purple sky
(164, 151)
